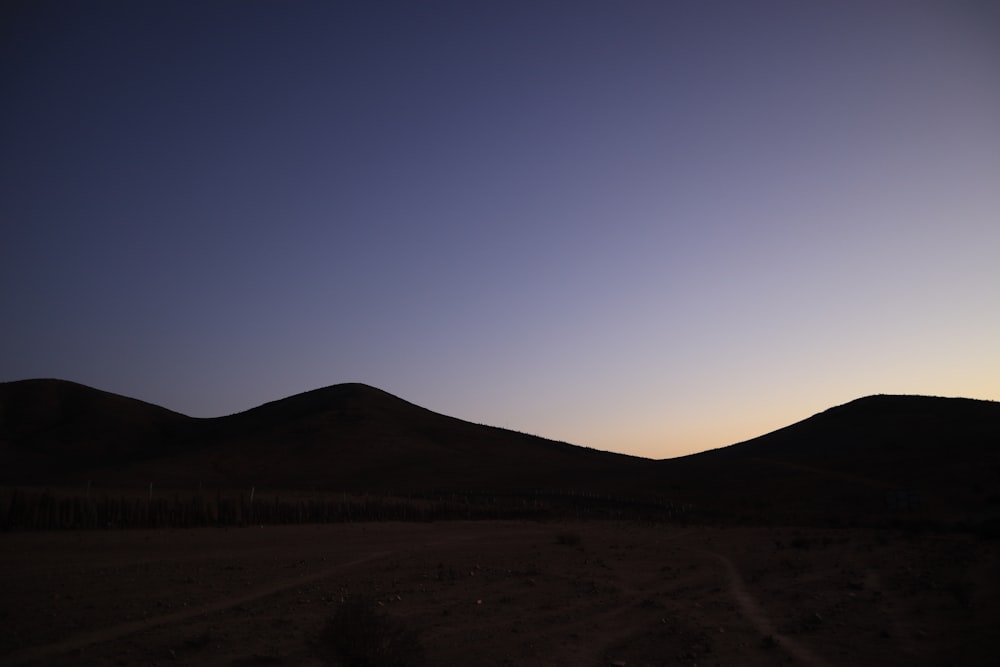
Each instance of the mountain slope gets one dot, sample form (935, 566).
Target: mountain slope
(356, 437)
(343, 437)
(49, 427)
(934, 456)
(873, 457)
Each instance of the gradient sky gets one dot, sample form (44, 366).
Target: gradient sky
(646, 227)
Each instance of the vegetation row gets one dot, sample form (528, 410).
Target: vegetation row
(28, 509)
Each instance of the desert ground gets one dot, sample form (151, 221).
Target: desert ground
(502, 593)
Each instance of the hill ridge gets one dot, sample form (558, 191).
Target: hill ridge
(345, 435)
(944, 451)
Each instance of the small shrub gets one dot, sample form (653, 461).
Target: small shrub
(198, 641)
(360, 635)
(568, 538)
(962, 591)
(988, 529)
(800, 542)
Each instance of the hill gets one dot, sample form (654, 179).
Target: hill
(873, 458)
(50, 428)
(910, 455)
(343, 437)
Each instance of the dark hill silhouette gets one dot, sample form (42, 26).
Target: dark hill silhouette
(876, 456)
(51, 427)
(343, 437)
(882, 454)
(356, 437)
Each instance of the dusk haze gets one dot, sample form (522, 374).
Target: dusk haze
(649, 227)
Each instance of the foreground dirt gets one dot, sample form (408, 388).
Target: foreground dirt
(503, 593)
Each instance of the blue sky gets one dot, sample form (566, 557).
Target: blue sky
(647, 227)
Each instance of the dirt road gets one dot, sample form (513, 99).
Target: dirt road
(500, 593)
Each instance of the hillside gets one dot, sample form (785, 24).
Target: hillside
(876, 457)
(50, 428)
(873, 456)
(343, 437)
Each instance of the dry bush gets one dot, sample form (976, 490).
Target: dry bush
(569, 538)
(359, 634)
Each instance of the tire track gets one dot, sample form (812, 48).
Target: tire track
(753, 612)
(84, 639)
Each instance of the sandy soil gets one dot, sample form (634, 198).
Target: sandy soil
(503, 593)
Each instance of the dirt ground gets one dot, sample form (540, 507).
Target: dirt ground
(503, 593)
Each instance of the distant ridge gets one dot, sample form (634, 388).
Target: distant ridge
(344, 437)
(52, 426)
(876, 456)
(918, 454)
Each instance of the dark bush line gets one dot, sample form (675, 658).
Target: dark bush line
(32, 509)
(44, 510)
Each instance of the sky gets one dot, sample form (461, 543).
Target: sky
(646, 227)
